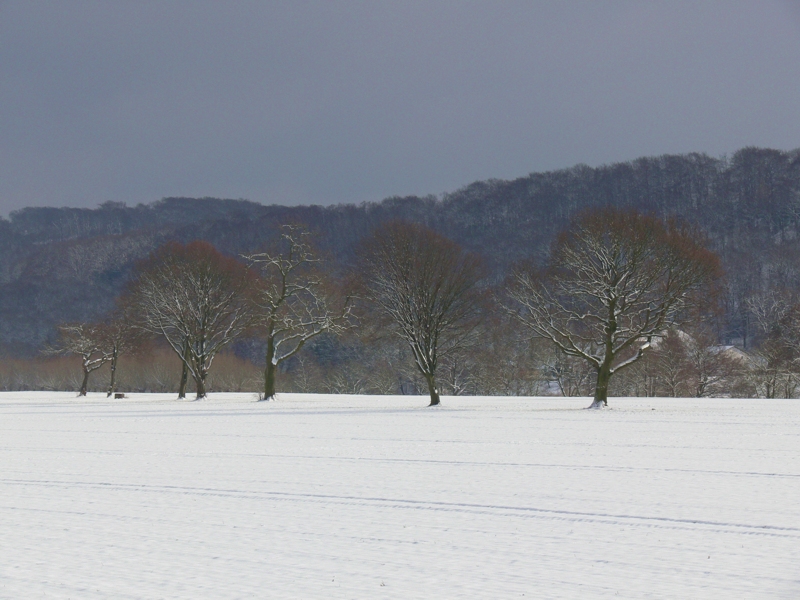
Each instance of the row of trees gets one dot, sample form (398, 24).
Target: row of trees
(615, 282)
(199, 301)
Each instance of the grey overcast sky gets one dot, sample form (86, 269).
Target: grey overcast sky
(344, 101)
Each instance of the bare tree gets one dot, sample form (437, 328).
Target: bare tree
(690, 362)
(518, 361)
(427, 289)
(670, 368)
(194, 297)
(572, 374)
(615, 279)
(119, 335)
(88, 341)
(710, 367)
(777, 352)
(294, 300)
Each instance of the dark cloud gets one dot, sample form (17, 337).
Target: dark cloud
(298, 102)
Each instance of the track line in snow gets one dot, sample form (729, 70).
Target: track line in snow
(746, 528)
(426, 461)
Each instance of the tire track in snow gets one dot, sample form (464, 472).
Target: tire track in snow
(608, 518)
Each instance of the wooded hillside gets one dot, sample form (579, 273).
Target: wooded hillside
(67, 264)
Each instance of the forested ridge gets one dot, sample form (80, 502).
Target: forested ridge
(69, 264)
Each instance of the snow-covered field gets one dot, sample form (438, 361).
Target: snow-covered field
(381, 497)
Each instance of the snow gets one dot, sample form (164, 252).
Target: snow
(381, 497)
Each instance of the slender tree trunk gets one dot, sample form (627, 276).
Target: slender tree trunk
(85, 384)
(788, 387)
(430, 379)
(184, 372)
(112, 385)
(184, 381)
(700, 390)
(270, 369)
(601, 389)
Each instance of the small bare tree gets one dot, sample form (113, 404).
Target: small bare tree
(517, 365)
(615, 279)
(88, 341)
(426, 287)
(194, 297)
(572, 374)
(119, 336)
(670, 367)
(293, 300)
(777, 353)
(711, 370)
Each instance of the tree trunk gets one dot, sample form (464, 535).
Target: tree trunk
(184, 381)
(270, 369)
(700, 390)
(184, 373)
(112, 385)
(604, 369)
(85, 384)
(201, 386)
(432, 390)
(601, 389)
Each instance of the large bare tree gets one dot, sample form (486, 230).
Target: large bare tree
(427, 287)
(294, 300)
(615, 279)
(194, 297)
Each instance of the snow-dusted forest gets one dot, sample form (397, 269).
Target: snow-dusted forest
(62, 272)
